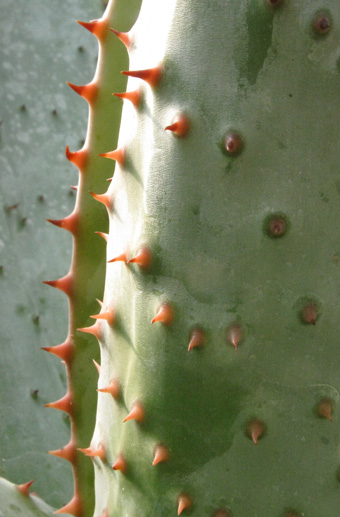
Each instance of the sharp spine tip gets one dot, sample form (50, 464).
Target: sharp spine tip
(133, 96)
(64, 284)
(164, 315)
(95, 329)
(142, 259)
(108, 316)
(69, 223)
(184, 503)
(180, 127)
(96, 27)
(124, 37)
(102, 198)
(161, 455)
(24, 489)
(78, 158)
(151, 75)
(63, 404)
(97, 366)
(104, 236)
(197, 339)
(120, 464)
(63, 351)
(136, 413)
(256, 429)
(120, 258)
(67, 453)
(118, 155)
(74, 507)
(112, 388)
(95, 453)
(87, 91)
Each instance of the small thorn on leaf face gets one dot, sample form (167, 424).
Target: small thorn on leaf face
(136, 413)
(180, 127)
(120, 464)
(184, 503)
(142, 259)
(197, 338)
(233, 144)
(310, 313)
(255, 430)
(235, 335)
(321, 25)
(165, 315)
(161, 455)
(112, 388)
(325, 408)
(276, 226)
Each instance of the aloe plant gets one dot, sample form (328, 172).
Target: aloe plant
(219, 377)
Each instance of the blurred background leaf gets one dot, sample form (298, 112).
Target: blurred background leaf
(41, 48)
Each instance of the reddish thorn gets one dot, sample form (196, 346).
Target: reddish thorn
(96, 27)
(24, 489)
(112, 388)
(136, 413)
(66, 453)
(74, 507)
(69, 223)
(119, 258)
(102, 198)
(255, 430)
(310, 313)
(63, 351)
(78, 158)
(161, 455)
(74, 187)
(94, 329)
(151, 75)
(325, 408)
(133, 96)
(124, 37)
(235, 335)
(108, 315)
(197, 339)
(88, 91)
(180, 127)
(105, 513)
(98, 453)
(64, 284)
(100, 303)
(165, 315)
(184, 503)
(109, 179)
(118, 155)
(63, 404)
(120, 464)
(105, 236)
(86, 451)
(97, 366)
(143, 258)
